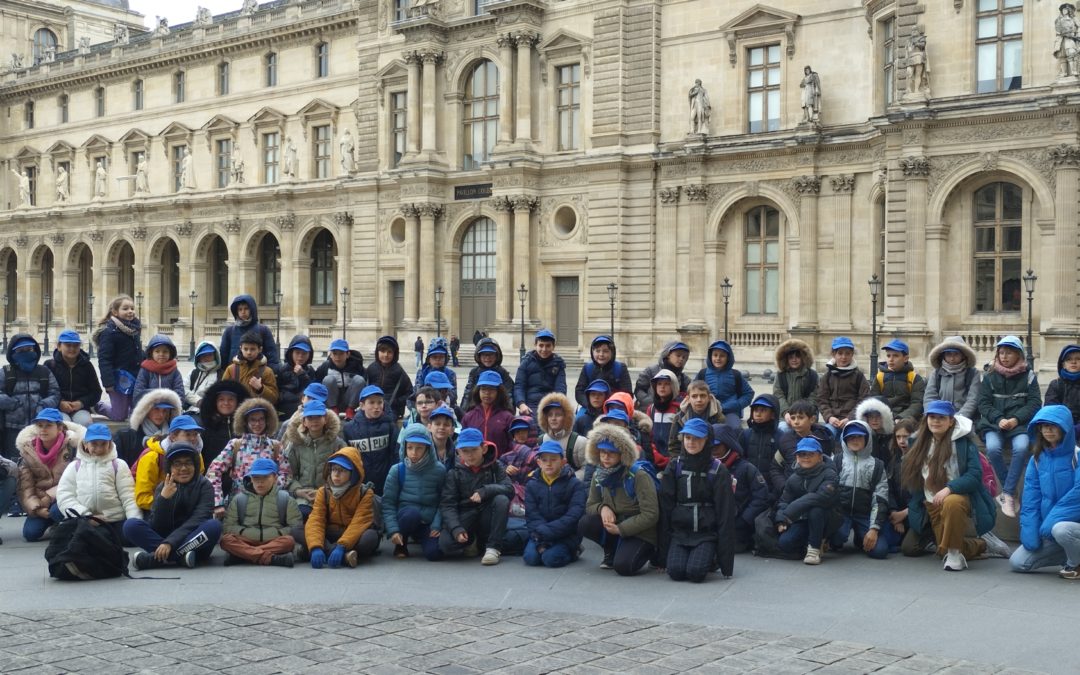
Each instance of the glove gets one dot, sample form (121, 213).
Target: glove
(318, 559)
(336, 557)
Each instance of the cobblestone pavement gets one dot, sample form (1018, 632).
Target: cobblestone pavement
(411, 639)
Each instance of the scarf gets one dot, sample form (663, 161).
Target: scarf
(48, 457)
(1066, 375)
(601, 474)
(954, 370)
(1020, 367)
(149, 429)
(339, 491)
(850, 366)
(167, 368)
(131, 329)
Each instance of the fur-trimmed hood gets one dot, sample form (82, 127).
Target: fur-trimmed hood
(240, 417)
(628, 452)
(642, 421)
(72, 440)
(793, 345)
(956, 343)
(208, 406)
(296, 434)
(150, 399)
(880, 407)
(562, 400)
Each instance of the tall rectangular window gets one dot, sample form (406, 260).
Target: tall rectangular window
(271, 69)
(31, 174)
(179, 86)
(62, 106)
(28, 114)
(223, 79)
(569, 107)
(322, 59)
(271, 157)
(999, 237)
(99, 102)
(763, 261)
(223, 161)
(763, 87)
(999, 44)
(137, 93)
(177, 162)
(321, 153)
(399, 122)
(888, 60)
(400, 9)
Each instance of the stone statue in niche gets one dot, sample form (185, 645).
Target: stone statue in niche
(1067, 37)
(120, 34)
(142, 178)
(289, 169)
(24, 186)
(101, 180)
(346, 146)
(811, 96)
(236, 170)
(62, 190)
(918, 65)
(187, 171)
(700, 109)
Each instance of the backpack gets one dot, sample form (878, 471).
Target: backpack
(571, 441)
(990, 478)
(79, 550)
(160, 463)
(767, 539)
(649, 469)
(714, 468)
(241, 500)
(881, 380)
(40, 373)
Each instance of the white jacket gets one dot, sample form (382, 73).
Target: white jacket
(98, 485)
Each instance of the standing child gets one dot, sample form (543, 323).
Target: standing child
(203, 376)
(602, 366)
(1065, 390)
(490, 411)
(862, 493)
(595, 394)
(751, 490)
(293, 375)
(898, 383)
(29, 388)
(418, 349)
(662, 412)
(696, 510)
(246, 318)
(159, 370)
(761, 440)
(540, 373)
(97, 483)
(386, 373)
(955, 378)
(488, 357)
(842, 387)
(555, 420)
(342, 519)
(46, 447)
(475, 501)
(254, 425)
(260, 521)
(804, 512)
(119, 354)
(310, 440)
(673, 356)
(796, 378)
(249, 368)
(554, 503)
(728, 385)
(343, 375)
(371, 433)
(698, 404)
(410, 506)
(1009, 398)
(80, 391)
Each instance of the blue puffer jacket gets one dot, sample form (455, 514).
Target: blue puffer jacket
(552, 511)
(734, 393)
(1052, 482)
(537, 378)
(230, 336)
(421, 490)
(119, 351)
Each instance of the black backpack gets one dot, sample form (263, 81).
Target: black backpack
(40, 373)
(80, 551)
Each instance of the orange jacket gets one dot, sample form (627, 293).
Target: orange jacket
(353, 512)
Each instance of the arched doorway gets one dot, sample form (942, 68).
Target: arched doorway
(125, 276)
(48, 296)
(477, 277)
(217, 274)
(323, 295)
(9, 266)
(84, 284)
(268, 271)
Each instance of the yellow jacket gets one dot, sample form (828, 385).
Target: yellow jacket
(148, 471)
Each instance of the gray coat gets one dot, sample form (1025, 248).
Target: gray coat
(961, 389)
(25, 400)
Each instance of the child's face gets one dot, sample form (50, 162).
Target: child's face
(895, 360)
(249, 352)
(939, 424)
(98, 448)
(425, 404)
(471, 456)
(855, 443)
(243, 311)
(487, 396)
(808, 460)
(873, 420)
(550, 464)
(794, 361)
(608, 459)
(1008, 356)
(437, 360)
(692, 444)
(256, 423)
(545, 348)
(160, 354)
(699, 400)
(1052, 434)
(69, 350)
(126, 310)
(189, 436)
(206, 359)
(300, 357)
(339, 475)
(663, 388)
(315, 425)
(441, 428)
(158, 416)
(678, 358)
(487, 359)
(225, 404)
(182, 469)
(555, 417)
(953, 358)
(761, 414)
(843, 356)
(902, 439)
(1072, 362)
(415, 452)
(372, 407)
(719, 358)
(800, 423)
(338, 357)
(601, 353)
(520, 435)
(385, 355)
(596, 399)
(263, 484)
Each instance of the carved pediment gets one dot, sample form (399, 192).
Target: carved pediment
(175, 130)
(97, 142)
(267, 115)
(135, 137)
(27, 153)
(392, 70)
(760, 21)
(220, 124)
(60, 148)
(317, 107)
(565, 43)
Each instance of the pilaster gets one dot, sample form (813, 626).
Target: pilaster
(506, 91)
(696, 200)
(525, 43)
(1066, 161)
(504, 245)
(428, 214)
(843, 187)
(916, 171)
(412, 261)
(666, 283)
(805, 313)
(412, 102)
(428, 142)
(523, 206)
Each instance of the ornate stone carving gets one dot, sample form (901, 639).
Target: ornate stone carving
(669, 195)
(529, 38)
(717, 192)
(501, 204)
(287, 222)
(753, 188)
(505, 40)
(139, 233)
(524, 203)
(807, 185)
(343, 219)
(843, 183)
(232, 226)
(943, 166)
(184, 229)
(429, 210)
(696, 193)
(431, 56)
(57, 238)
(21, 241)
(915, 166)
(96, 236)
(1064, 155)
(410, 211)
(989, 161)
(1039, 160)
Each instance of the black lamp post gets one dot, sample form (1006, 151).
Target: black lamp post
(875, 290)
(278, 297)
(438, 311)
(138, 304)
(193, 296)
(344, 310)
(48, 316)
(612, 293)
(1029, 286)
(523, 294)
(5, 320)
(725, 289)
(90, 322)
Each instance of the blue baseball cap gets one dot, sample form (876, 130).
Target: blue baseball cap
(550, 448)
(615, 414)
(49, 415)
(1012, 342)
(302, 346)
(342, 462)
(339, 345)
(853, 429)
(808, 444)
(263, 466)
(487, 349)
(317, 391)
(442, 411)
(696, 427)
(606, 445)
(519, 423)
(184, 423)
(762, 402)
(164, 405)
(25, 342)
(544, 334)
(599, 385)
(940, 408)
(469, 438)
(205, 349)
(677, 346)
(419, 437)
(258, 408)
(315, 408)
(896, 346)
(489, 378)
(438, 380)
(97, 432)
(842, 342)
(371, 390)
(69, 337)
(1069, 349)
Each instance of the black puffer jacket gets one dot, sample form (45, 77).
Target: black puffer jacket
(392, 379)
(78, 382)
(218, 430)
(805, 489)
(779, 472)
(474, 374)
(29, 392)
(461, 482)
(1063, 391)
(291, 384)
(760, 443)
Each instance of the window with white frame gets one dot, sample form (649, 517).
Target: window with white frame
(138, 91)
(762, 247)
(323, 270)
(999, 45)
(321, 151)
(223, 161)
(44, 42)
(28, 114)
(223, 78)
(398, 125)
(270, 68)
(177, 165)
(271, 156)
(888, 60)
(481, 114)
(99, 101)
(322, 59)
(179, 86)
(999, 238)
(568, 107)
(763, 88)
(62, 103)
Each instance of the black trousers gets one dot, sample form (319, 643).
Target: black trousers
(629, 554)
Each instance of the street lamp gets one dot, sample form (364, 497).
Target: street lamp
(612, 293)
(523, 294)
(725, 289)
(344, 310)
(90, 322)
(191, 343)
(1029, 286)
(875, 290)
(278, 297)
(438, 311)
(138, 304)
(5, 320)
(48, 307)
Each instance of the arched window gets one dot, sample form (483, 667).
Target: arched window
(477, 277)
(44, 40)
(999, 237)
(763, 260)
(269, 269)
(323, 269)
(481, 114)
(170, 277)
(126, 270)
(219, 273)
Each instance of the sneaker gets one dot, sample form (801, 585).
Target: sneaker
(231, 560)
(1068, 572)
(608, 563)
(995, 548)
(955, 561)
(188, 560)
(491, 557)
(1008, 506)
(472, 549)
(1000, 499)
(142, 561)
(352, 558)
(283, 560)
(812, 557)
(401, 551)
(300, 553)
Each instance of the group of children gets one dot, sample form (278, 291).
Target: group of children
(663, 474)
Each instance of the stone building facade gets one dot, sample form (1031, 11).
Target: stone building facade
(433, 158)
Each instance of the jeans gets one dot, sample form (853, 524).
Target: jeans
(486, 525)
(861, 525)
(802, 533)
(82, 418)
(34, 527)
(410, 526)
(1063, 548)
(1009, 476)
(202, 539)
(554, 555)
(419, 359)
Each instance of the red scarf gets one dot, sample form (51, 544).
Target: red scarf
(49, 457)
(156, 368)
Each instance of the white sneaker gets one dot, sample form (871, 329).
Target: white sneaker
(812, 557)
(1008, 506)
(995, 548)
(955, 561)
(491, 557)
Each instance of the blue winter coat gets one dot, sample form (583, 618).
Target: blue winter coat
(733, 393)
(552, 511)
(537, 378)
(373, 439)
(119, 351)
(422, 490)
(230, 336)
(1052, 481)
(146, 380)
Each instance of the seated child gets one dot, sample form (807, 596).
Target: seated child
(556, 418)
(697, 510)
(46, 447)
(623, 508)
(602, 366)
(898, 494)
(877, 415)
(898, 383)
(343, 375)
(796, 379)
(955, 377)
(411, 496)
(698, 404)
(310, 440)
(750, 487)
(80, 390)
(662, 412)
(732, 391)
(150, 466)
(437, 354)
(442, 425)
(370, 432)
(203, 376)
(254, 426)
(260, 520)
(386, 373)
(842, 387)
(342, 519)
(159, 370)
(216, 416)
(149, 421)
(1065, 390)
(595, 394)
(554, 503)
(29, 388)
(97, 483)
(863, 493)
(475, 501)
(806, 505)
(490, 411)
(181, 529)
(801, 415)
(249, 368)
(489, 358)
(293, 375)
(519, 462)
(761, 440)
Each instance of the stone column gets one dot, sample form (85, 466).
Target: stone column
(840, 316)
(504, 293)
(428, 142)
(525, 44)
(696, 199)
(1062, 281)
(916, 171)
(412, 103)
(412, 261)
(290, 282)
(506, 92)
(937, 304)
(428, 214)
(232, 242)
(523, 207)
(805, 313)
(665, 265)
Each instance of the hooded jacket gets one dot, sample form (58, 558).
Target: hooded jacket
(643, 386)
(904, 402)
(1052, 481)
(781, 469)
(1003, 397)
(98, 485)
(176, 518)
(761, 444)
(26, 399)
(373, 439)
(638, 516)
(750, 489)
(77, 382)
(131, 441)
(118, 351)
(806, 489)
(880, 443)
(354, 365)
(575, 454)
(437, 343)
(552, 511)
(237, 457)
(202, 377)
(147, 379)
(1065, 389)
(733, 392)
(712, 415)
(536, 378)
(857, 493)
(262, 520)
(241, 370)
(352, 514)
(793, 385)
(961, 388)
(217, 430)
(291, 384)
(489, 479)
(307, 456)
(422, 489)
(614, 372)
(230, 336)
(662, 414)
(149, 470)
(840, 390)
(474, 374)
(392, 379)
(35, 479)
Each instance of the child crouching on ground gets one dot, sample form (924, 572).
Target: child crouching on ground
(475, 501)
(862, 493)
(750, 488)
(260, 520)
(554, 503)
(410, 502)
(806, 505)
(342, 520)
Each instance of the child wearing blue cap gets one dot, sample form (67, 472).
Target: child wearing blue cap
(805, 514)
(1008, 400)
(386, 373)
(260, 521)
(554, 504)
(204, 375)
(842, 387)
(697, 510)
(520, 461)
(29, 388)
(863, 493)
(158, 370)
(1065, 388)
(475, 501)
(96, 483)
(673, 356)
(602, 366)
(488, 356)
(294, 374)
(801, 416)
(411, 496)
(761, 440)
(372, 432)
(46, 447)
(898, 383)
(437, 355)
(442, 424)
(955, 377)
(249, 368)
(490, 411)
(727, 384)
(80, 391)
(342, 529)
(540, 373)
(595, 394)
(254, 425)
(149, 467)
(311, 437)
(343, 375)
